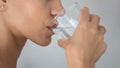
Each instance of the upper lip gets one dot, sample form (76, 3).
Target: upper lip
(54, 25)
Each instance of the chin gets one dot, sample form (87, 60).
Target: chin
(44, 42)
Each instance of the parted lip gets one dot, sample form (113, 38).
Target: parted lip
(54, 25)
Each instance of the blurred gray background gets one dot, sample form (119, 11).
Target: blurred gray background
(34, 56)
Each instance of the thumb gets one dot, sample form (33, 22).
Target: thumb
(63, 43)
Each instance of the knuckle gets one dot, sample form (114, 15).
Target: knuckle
(104, 46)
(96, 16)
(102, 29)
(94, 31)
(101, 38)
(95, 20)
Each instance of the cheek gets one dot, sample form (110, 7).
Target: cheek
(30, 16)
(41, 37)
(30, 21)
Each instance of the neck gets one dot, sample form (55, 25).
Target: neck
(10, 47)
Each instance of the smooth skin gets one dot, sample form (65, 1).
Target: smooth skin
(31, 19)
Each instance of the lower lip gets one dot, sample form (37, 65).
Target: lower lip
(51, 32)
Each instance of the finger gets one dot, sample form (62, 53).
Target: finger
(94, 19)
(101, 50)
(84, 16)
(63, 43)
(84, 20)
(104, 47)
(102, 30)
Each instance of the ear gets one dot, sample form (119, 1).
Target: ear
(3, 5)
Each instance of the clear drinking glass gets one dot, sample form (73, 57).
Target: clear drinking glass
(68, 22)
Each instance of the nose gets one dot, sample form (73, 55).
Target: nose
(57, 9)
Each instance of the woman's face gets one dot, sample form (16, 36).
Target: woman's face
(32, 18)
